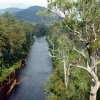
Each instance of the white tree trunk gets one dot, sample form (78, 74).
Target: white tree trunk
(66, 74)
(94, 80)
(94, 89)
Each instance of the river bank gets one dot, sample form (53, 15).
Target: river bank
(39, 67)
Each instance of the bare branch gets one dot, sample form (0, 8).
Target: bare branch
(60, 15)
(83, 55)
(95, 65)
(55, 13)
(80, 52)
(67, 26)
(80, 36)
(51, 55)
(92, 73)
(82, 67)
(94, 33)
(87, 31)
(77, 32)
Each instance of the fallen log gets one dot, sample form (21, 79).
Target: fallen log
(15, 83)
(6, 84)
(12, 86)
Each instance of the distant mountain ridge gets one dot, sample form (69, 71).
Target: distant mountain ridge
(28, 14)
(11, 10)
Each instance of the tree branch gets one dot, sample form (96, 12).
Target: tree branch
(67, 26)
(82, 67)
(55, 13)
(83, 55)
(95, 65)
(80, 37)
(94, 76)
(94, 33)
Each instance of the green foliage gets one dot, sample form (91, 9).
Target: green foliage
(80, 23)
(6, 72)
(15, 38)
(78, 86)
(55, 84)
(41, 30)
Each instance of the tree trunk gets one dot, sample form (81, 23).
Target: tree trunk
(66, 74)
(94, 89)
(93, 97)
(94, 81)
(12, 86)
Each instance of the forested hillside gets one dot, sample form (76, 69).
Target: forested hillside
(15, 39)
(75, 49)
(74, 45)
(29, 14)
(11, 10)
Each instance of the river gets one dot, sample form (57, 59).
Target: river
(39, 67)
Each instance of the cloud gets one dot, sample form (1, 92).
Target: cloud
(21, 3)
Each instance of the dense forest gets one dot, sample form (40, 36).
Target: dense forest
(74, 45)
(75, 49)
(41, 30)
(15, 38)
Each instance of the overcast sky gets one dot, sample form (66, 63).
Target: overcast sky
(21, 3)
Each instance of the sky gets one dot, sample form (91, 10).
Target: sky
(21, 3)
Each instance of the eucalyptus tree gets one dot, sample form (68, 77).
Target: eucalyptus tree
(62, 54)
(80, 21)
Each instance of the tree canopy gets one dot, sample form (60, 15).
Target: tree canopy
(79, 25)
(15, 38)
(41, 30)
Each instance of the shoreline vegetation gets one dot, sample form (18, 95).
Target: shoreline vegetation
(75, 49)
(16, 38)
(8, 79)
(9, 74)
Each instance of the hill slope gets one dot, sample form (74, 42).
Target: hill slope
(30, 14)
(11, 10)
